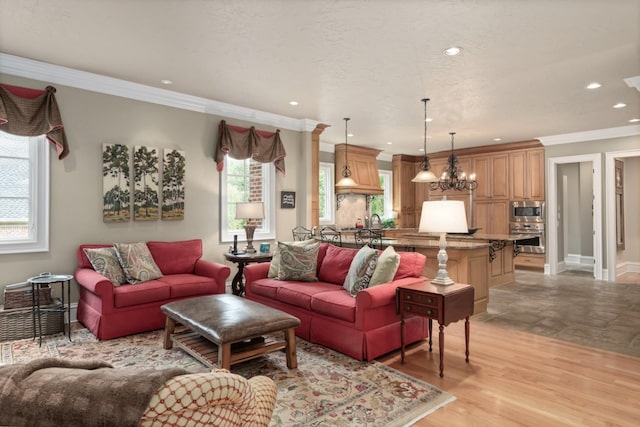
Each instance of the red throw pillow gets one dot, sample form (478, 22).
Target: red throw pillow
(411, 265)
(335, 265)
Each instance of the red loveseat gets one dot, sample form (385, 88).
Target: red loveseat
(110, 312)
(363, 327)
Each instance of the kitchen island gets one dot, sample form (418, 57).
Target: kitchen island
(468, 261)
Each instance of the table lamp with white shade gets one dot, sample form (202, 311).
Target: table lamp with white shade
(250, 211)
(443, 216)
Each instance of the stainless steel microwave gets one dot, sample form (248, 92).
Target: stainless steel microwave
(527, 211)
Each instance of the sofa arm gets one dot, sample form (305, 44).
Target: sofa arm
(207, 398)
(95, 283)
(383, 294)
(216, 271)
(256, 271)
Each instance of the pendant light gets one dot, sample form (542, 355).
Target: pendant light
(453, 177)
(346, 180)
(425, 175)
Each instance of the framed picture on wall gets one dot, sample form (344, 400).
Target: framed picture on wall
(287, 199)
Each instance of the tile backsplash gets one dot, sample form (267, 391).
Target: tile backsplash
(352, 207)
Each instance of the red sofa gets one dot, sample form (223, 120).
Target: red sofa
(363, 327)
(110, 311)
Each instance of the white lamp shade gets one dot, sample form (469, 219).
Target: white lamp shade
(443, 216)
(250, 210)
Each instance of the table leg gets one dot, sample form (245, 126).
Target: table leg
(441, 339)
(237, 284)
(169, 328)
(33, 309)
(402, 326)
(430, 335)
(466, 338)
(224, 356)
(290, 338)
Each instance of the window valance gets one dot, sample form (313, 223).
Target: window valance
(32, 112)
(244, 143)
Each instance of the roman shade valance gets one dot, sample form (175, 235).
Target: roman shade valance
(244, 143)
(32, 112)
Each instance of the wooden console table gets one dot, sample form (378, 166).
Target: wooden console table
(446, 304)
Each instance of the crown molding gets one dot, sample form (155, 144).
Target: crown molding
(633, 82)
(592, 135)
(56, 74)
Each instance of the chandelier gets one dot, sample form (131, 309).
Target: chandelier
(346, 180)
(424, 174)
(453, 177)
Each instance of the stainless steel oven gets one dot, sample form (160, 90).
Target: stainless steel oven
(532, 240)
(526, 211)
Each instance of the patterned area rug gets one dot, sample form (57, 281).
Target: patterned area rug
(328, 388)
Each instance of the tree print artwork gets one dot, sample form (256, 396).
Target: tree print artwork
(146, 176)
(115, 183)
(173, 172)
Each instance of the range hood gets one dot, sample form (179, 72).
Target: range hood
(364, 169)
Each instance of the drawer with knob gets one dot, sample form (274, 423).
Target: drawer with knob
(421, 310)
(420, 298)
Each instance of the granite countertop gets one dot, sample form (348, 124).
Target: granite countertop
(421, 243)
(475, 237)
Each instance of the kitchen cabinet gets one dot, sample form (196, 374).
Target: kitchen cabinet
(527, 174)
(492, 217)
(492, 174)
(404, 200)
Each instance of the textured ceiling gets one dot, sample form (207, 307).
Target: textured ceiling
(521, 74)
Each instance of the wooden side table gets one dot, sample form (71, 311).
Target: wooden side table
(446, 304)
(237, 284)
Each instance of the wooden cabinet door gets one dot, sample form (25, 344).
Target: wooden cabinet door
(535, 160)
(491, 216)
(482, 169)
(527, 174)
(500, 176)
(517, 165)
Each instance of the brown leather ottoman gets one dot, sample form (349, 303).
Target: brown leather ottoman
(225, 329)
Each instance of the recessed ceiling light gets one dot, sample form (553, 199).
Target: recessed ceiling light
(166, 82)
(634, 120)
(350, 135)
(422, 149)
(497, 139)
(620, 105)
(389, 143)
(293, 103)
(594, 85)
(429, 119)
(452, 51)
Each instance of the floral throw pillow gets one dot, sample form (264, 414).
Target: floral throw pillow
(275, 260)
(137, 262)
(105, 261)
(298, 262)
(361, 270)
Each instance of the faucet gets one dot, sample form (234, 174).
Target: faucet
(375, 221)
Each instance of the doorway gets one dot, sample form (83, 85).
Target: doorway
(631, 199)
(574, 192)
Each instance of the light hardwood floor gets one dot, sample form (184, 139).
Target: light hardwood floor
(515, 378)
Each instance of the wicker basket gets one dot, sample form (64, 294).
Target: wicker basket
(22, 297)
(16, 324)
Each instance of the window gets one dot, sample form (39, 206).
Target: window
(24, 194)
(383, 205)
(326, 193)
(247, 181)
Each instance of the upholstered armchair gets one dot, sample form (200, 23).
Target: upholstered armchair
(212, 399)
(57, 392)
